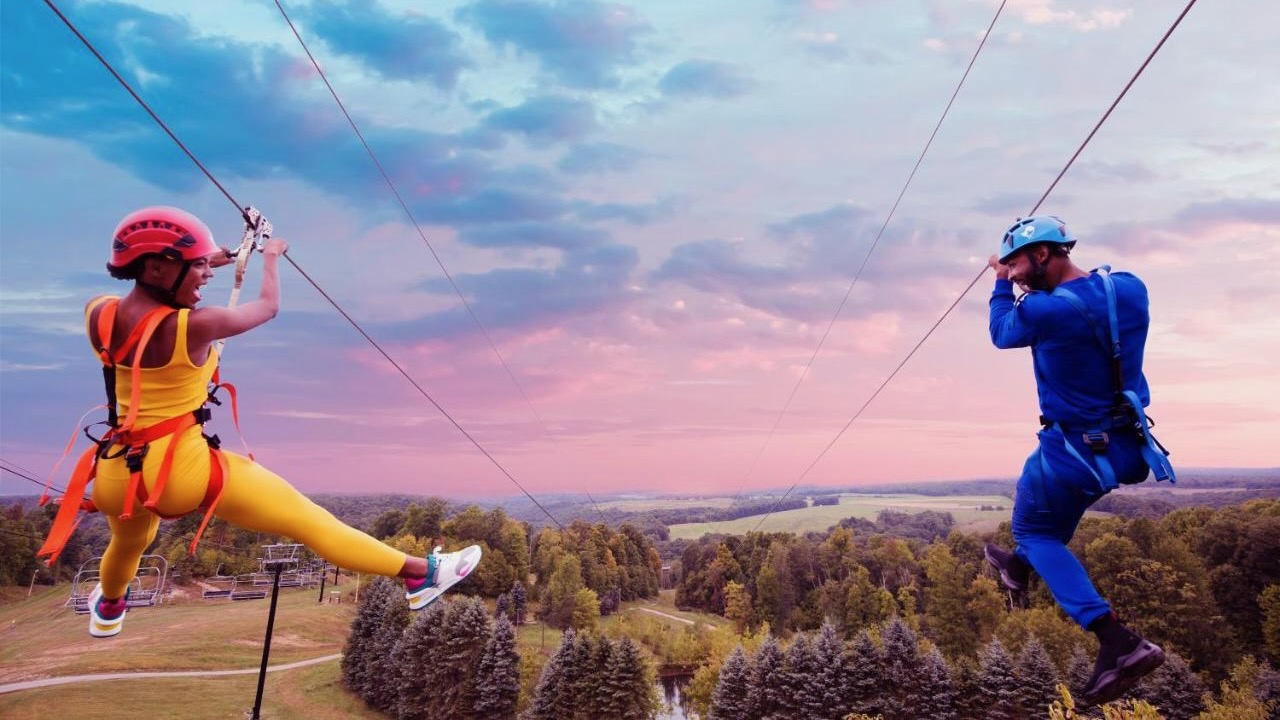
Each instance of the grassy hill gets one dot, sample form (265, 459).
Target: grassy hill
(965, 509)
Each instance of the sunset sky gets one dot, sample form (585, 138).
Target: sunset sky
(654, 209)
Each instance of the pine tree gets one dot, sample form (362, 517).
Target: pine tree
(793, 681)
(997, 683)
(1079, 670)
(502, 606)
(765, 698)
(629, 670)
(581, 680)
(360, 639)
(1174, 689)
(901, 667)
(937, 693)
(498, 676)
(863, 670)
(828, 680)
(438, 659)
(519, 601)
(1038, 679)
(730, 699)
(382, 688)
(552, 681)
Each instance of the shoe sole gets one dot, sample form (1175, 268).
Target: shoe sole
(1133, 667)
(1005, 578)
(470, 559)
(98, 627)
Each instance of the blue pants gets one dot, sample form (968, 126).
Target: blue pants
(1055, 489)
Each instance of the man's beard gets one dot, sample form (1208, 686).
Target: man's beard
(1037, 279)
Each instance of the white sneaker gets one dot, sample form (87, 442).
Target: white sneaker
(99, 626)
(451, 569)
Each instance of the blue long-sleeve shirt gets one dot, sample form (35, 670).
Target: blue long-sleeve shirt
(1073, 371)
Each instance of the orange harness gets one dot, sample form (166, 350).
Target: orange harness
(134, 442)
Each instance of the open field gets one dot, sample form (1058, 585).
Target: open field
(39, 638)
(818, 518)
(647, 504)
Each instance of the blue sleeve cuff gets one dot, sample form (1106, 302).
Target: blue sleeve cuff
(1003, 285)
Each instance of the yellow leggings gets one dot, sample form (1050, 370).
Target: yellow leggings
(253, 498)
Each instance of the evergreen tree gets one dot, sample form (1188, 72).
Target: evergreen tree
(1038, 679)
(997, 683)
(1174, 689)
(438, 659)
(968, 695)
(552, 682)
(498, 676)
(730, 701)
(583, 677)
(1079, 670)
(793, 681)
(629, 670)
(901, 668)
(519, 601)
(863, 670)
(936, 691)
(502, 606)
(360, 647)
(828, 680)
(765, 697)
(383, 689)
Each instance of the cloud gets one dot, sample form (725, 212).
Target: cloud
(600, 158)
(704, 78)
(243, 112)
(583, 43)
(589, 280)
(1128, 172)
(634, 213)
(561, 235)
(1044, 12)
(397, 47)
(1254, 211)
(823, 251)
(546, 119)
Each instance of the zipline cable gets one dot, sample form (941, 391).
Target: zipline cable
(858, 275)
(421, 233)
(5, 466)
(982, 272)
(71, 26)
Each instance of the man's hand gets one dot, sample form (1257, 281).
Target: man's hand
(1002, 271)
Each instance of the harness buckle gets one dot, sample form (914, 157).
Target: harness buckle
(213, 441)
(134, 456)
(1097, 441)
(202, 415)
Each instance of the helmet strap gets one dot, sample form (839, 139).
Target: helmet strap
(167, 296)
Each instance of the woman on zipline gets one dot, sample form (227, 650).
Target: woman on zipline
(160, 358)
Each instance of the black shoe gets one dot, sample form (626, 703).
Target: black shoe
(1014, 571)
(1112, 677)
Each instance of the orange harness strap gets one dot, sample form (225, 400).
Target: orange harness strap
(133, 441)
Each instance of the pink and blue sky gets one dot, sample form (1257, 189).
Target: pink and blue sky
(654, 208)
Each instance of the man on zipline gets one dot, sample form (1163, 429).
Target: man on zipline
(160, 359)
(1086, 331)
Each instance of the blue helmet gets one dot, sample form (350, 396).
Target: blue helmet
(1033, 230)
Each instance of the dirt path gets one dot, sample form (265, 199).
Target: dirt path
(65, 680)
(655, 612)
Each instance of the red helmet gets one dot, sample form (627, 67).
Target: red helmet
(164, 230)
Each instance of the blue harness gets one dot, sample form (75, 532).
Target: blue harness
(1128, 412)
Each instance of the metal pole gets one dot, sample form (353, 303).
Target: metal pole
(335, 576)
(266, 644)
(323, 577)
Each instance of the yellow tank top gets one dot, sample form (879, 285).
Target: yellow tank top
(177, 387)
